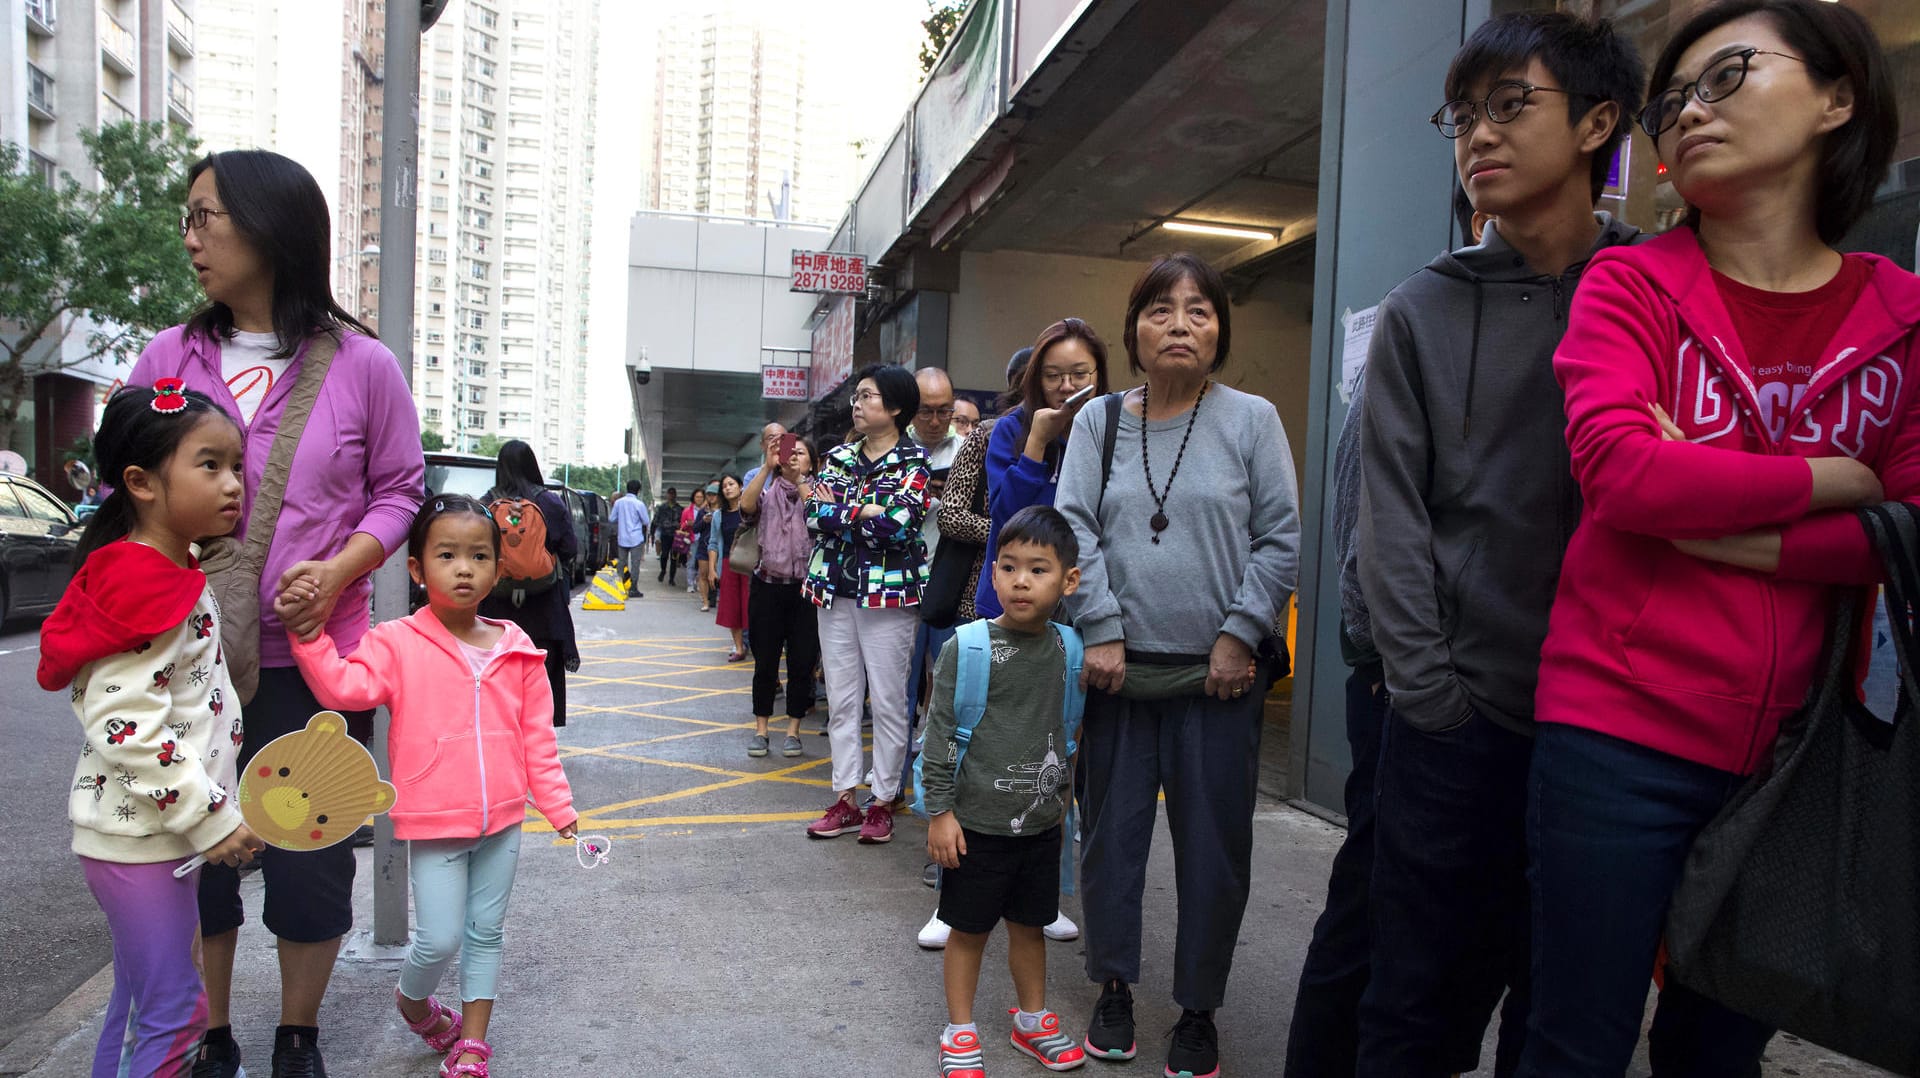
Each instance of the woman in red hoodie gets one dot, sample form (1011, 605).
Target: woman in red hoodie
(1733, 390)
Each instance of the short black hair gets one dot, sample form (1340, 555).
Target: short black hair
(899, 391)
(277, 207)
(633, 486)
(1158, 280)
(441, 505)
(1042, 525)
(516, 474)
(1587, 57)
(1835, 43)
(135, 434)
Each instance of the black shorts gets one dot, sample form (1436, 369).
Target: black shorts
(309, 896)
(1015, 878)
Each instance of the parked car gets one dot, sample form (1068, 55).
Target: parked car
(38, 537)
(600, 548)
(579, 568)
(459, 473)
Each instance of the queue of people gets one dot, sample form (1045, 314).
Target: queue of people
(1553, 686)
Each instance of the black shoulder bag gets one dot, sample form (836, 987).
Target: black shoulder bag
(1798, 904)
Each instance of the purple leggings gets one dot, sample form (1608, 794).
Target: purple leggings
(159, 1009)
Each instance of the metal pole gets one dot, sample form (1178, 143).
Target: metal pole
(399, 161)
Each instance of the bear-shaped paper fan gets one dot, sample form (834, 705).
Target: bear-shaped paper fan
(309, 789)
(312, 788)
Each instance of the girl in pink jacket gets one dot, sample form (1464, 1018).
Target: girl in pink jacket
(464, 774)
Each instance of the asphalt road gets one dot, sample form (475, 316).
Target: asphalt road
(50, 932)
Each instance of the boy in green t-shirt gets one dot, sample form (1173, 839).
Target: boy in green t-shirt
(996, 824)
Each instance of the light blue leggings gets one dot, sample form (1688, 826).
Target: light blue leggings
(460, 889)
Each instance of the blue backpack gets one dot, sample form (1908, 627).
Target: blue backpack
(973, 666)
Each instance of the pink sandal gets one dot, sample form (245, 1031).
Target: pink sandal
(436, 1010)
(450, 1069)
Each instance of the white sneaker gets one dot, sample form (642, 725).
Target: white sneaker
(934, 936)
(1062, 929)
(869, 780)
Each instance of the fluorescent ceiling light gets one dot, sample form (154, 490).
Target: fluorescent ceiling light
(1229, 231)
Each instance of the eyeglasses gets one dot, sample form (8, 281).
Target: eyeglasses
(197, 218)
(1078, 376)
(863, 395)
(1503, 105)
(936, 413)
(1717, 83)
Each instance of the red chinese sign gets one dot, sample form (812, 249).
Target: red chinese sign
(825, 271)
(783, 383)
(833, 347)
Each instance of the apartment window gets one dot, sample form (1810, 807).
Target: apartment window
(477, 370)
(476, 395)
(433, 361)
(439, 202)
(478, 270)
(437, 254)
(476, 420)
(434, 336)
(431, 415)
(442, 95)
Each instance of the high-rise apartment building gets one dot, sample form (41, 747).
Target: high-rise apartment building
(748, 119)
(71, 66)
(506, 185)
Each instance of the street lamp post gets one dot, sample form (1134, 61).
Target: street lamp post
(399, 165)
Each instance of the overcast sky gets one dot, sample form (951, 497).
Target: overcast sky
(874, 42)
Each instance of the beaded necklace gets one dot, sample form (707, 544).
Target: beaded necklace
(1160, 521)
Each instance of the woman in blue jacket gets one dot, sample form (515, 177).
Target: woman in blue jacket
(1028, 443)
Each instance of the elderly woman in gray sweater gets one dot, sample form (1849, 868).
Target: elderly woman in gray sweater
(1182, 494)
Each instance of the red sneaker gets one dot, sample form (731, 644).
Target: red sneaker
(879, 825)
(960, 1057)
(1055, 1050)
(840, 819)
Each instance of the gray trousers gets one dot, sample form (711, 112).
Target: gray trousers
(1205, 753)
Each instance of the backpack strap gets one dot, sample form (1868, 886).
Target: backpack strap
(974, 664)
(1114, 401)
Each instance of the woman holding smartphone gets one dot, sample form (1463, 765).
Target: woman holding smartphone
(1067, 369)
(778, 615)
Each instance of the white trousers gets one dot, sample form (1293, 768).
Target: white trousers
(866, 650)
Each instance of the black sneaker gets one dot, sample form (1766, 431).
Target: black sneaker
(296, 1054)
(220, 1060)
(1110, 1034)
(1195, 1052)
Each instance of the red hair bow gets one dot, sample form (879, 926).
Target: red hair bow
(169, 395)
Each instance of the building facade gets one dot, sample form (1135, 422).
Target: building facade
(506, 192)
(71, 66)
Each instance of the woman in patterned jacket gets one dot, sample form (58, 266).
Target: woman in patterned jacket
(868, 565)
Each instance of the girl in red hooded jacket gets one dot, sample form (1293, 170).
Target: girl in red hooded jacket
(1734, 389)
(136, 642)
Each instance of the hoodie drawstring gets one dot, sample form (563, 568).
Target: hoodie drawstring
(1473, 360)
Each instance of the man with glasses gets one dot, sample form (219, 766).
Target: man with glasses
(931, 430)
(1466, 504)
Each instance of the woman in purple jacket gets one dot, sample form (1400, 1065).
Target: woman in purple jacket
(257, 231)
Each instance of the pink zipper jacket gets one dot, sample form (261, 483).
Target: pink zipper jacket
(1689, 657)
(468, 752)
(358, 467)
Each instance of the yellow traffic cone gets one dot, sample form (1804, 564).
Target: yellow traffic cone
(605, 592)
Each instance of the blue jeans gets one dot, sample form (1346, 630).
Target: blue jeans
(927, 642)
(1325, 1035)
(1609, 824)
(460, 889)
(1449, 899)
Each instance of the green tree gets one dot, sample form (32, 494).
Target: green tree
(943, 17)
(112, 256)
(488, 445)
(431, 440)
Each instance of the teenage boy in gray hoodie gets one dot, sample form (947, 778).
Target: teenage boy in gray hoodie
(1467, 502)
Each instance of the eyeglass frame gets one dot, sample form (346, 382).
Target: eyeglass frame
(205, 215)
(863, 394)
(1078, 328)
(1692, 89)
(1485, 105)
(936, 413)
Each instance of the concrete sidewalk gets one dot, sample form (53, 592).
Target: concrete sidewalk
(721, 940)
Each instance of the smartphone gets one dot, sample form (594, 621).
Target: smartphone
(1078, 398)
(783, 449)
